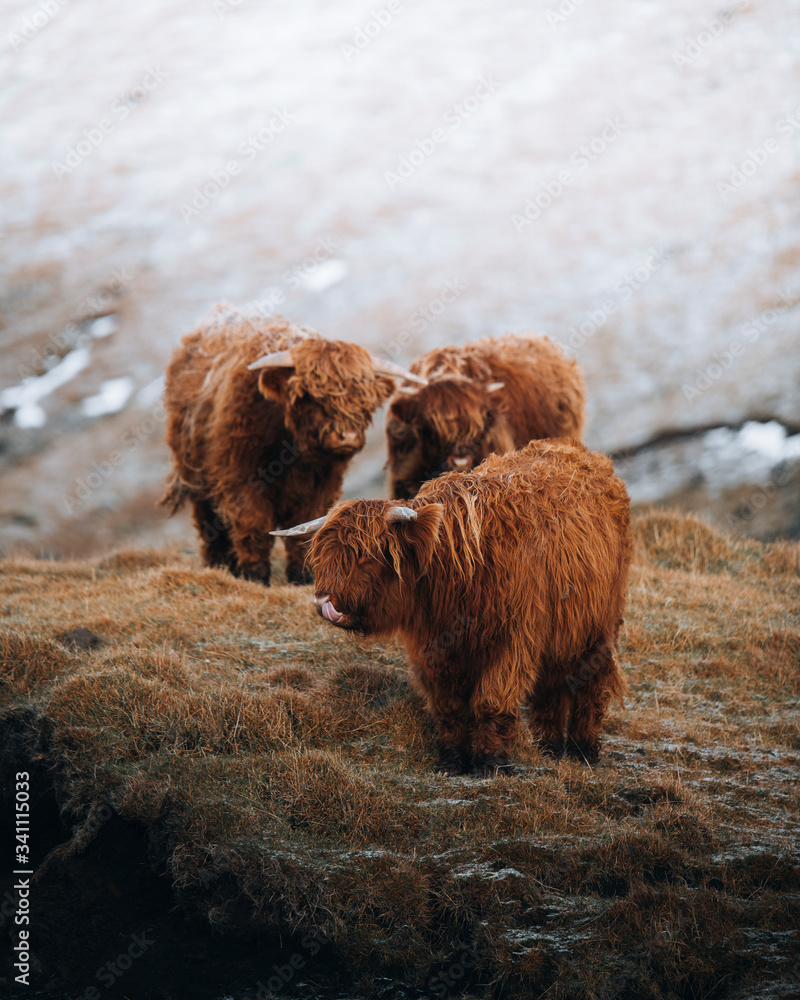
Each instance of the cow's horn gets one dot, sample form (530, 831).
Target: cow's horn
(395, 515)
(280, 359)
(495, 386)
(302, 530)
(390, 368)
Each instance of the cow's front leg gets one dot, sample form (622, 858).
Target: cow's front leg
(451, 716)
(446, 690)
(449, 705)
(250, 524)
(297, 569)
(494, 732)
(495, 708)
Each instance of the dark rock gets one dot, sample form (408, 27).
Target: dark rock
(81, 639)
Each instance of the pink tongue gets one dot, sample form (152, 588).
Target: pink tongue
(330, 612)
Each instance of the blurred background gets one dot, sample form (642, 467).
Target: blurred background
(623, 176)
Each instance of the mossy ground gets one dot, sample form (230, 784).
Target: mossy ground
(283, 772)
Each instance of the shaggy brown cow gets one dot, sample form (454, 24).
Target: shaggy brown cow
(254, 449)
(506, 584)
(490, 396)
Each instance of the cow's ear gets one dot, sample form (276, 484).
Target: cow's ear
(400, 433)
(404, 408)
(421, 535)
(384, 386)
(272, 383)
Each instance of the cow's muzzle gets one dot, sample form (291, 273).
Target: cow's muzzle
(343, 444)
(459, 463)
(326, 609)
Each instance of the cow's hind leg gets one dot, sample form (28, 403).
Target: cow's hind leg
(250, 524)
(596, 679)
(549, 706)
(215, 541)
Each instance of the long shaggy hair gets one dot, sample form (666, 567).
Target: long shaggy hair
(255, 450)
(489, 396)
(506, 584)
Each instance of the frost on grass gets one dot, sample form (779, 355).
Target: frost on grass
(286, 773)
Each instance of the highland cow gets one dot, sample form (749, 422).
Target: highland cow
(507, 585)
(263, 441)
(490, 396)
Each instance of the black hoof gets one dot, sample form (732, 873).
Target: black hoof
(494, 766)
(552, 748)
(453, 761)
(583, 750)
(255, 574)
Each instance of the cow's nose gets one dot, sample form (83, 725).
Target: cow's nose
(350, 439)
(319, 602)
(459, 462)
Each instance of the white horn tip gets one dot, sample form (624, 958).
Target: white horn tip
(302, 530)
(395, 371)
(396, 515)
(278, 359)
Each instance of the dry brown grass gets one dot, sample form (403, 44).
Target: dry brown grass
(287, 771)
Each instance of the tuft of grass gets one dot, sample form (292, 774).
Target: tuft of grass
(285, 771)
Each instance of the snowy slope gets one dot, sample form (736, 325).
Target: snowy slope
(572, 167)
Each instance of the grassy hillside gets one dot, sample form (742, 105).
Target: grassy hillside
(283, 774)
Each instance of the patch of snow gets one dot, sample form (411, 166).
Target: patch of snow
(720, 459)
(30, 415)
(485, 871)
(103, 326)
(745, 455)
(447, 802)
(114, 394)
(24, 398)
(326, 274)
